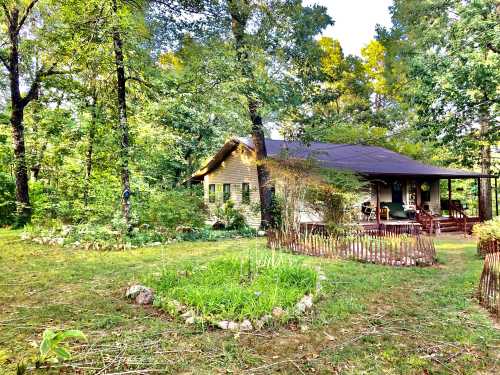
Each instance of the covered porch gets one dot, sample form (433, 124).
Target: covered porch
(428, 202)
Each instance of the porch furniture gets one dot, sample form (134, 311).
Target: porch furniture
(396, 210)
(368, 211)
(384, 213)
(410, 211)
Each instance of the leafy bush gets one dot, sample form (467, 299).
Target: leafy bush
(173, 208)
(7, 200)
(232, 217)
(488, 230)
(235, 289)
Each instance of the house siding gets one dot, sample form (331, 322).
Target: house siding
(239, 167)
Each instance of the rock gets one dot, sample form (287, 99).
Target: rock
(134, 290)
(278, 312)
(179, 307)
(184, 229)
(304, 304)
(261, 233)
(266, 318)
(59, 241)
(223, 324)
(145, 297)
(191, 320)
(246, 325)
(233, 326)
(187, 314)
(142, 295)
(25, 236)
(155, 244)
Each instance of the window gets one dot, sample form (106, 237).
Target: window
(226, 192)
(245, 193)
(211, 193)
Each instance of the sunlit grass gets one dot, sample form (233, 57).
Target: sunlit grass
(237, 288)
(369, 318)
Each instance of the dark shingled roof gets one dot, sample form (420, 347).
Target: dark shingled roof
(370, 161)
(365, 160)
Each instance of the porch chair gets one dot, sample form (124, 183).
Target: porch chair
(368, 211)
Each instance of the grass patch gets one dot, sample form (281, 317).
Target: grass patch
(370, 319)
(236, 288)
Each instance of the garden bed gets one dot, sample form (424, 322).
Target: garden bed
(255, 291)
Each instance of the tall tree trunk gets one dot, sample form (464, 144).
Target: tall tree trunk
(90, 149)
(16, 120)
(485, 202)
(122, 119)
(240, 11)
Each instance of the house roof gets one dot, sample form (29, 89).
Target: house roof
(371, 161)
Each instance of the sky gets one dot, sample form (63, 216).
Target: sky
(355, 21)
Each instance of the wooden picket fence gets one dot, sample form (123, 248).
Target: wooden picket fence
(489, 285)
(393, 250)
(488, 246)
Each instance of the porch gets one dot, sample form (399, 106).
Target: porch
(402, 201)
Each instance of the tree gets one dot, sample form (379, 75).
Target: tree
(15, 18)
(451, 51)
(269, 49)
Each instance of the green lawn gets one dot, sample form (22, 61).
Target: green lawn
(372, 319)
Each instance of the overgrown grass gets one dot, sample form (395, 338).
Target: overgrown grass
(371, 319)
(237, 288)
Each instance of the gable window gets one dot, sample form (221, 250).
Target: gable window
(245, 193)
(226, 192)
(211, 193)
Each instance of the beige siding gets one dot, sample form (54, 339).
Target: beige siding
(237, 168)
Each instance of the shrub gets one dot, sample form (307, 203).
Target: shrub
(232, 217)
(236, 289)
(488, 230)
(7, 200)
(171, 209)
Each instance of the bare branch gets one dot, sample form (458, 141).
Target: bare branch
(26, 14)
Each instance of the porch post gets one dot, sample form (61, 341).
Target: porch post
(480, 212)
(449, 197)
(377, 209)
(496, 195)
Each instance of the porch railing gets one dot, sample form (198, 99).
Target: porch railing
(458, 215)
(425, 219)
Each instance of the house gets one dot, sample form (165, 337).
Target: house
(401, 188)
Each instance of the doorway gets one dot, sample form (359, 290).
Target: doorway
(397, 192)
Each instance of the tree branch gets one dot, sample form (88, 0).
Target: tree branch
(4, 61)
(26, 14)
(42, 73)
(7, 13)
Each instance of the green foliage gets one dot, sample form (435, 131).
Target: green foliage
(53, 346)
(172, 208)
(489, 230)
(335, 197)
(231, 217)
(450, 54)
(7, 200)
(236, 288)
